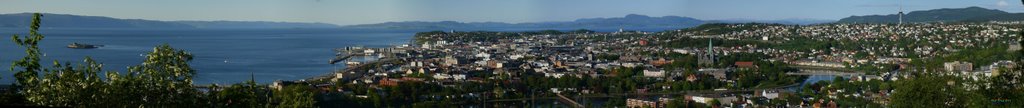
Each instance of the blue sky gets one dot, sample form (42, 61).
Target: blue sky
(347, 12)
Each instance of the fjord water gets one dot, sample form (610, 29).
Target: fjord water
(221, 56)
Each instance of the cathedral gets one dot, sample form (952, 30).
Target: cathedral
(708, 57)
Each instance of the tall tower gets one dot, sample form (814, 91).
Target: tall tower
(900, 6)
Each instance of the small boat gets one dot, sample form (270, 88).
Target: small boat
(83, 46)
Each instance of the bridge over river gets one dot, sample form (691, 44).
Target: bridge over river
(811, 70)
(825, 72)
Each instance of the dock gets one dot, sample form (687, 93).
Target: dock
(346, 53)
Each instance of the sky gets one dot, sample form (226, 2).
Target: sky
(349, 12)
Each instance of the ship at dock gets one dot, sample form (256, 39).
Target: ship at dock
(83, 46)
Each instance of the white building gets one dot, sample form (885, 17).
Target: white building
(640, 103)
(820, 64)
(459, 77)
(338, 76)
(769, 94)
(442, 76)
(654, 73)
(958, 66)
(450, 61)
(707, 99)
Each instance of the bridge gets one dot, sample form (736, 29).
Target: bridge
(568, 101)
(825, 72)
(812, 70)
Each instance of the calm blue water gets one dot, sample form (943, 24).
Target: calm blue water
(221, 56)
(811, 80)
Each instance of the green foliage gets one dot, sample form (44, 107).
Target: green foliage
(242, 95)
(163, 79)
(822, 89)
(930, 90)
(1004, 89)
(681, 61)
(607, 57)
(67, 85)
(28, 75)
(295, 96)
(715, 102)
(769, 74)
(684, 42)
(30, 67)
(429, 104)
(977, 56)
(615, 102)
(60, 85)
(805, 44)
(683, 103)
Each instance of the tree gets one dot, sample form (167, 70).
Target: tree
(30, 68)
(1003, 89)
(714, 102)
(930, 90)
(164, 79)
(66, 85)
(60, 86)
(242, 95)
(295, 96)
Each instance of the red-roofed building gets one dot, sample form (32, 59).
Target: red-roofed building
(388, 82)
(745, 64)
(660, 61)
(691, 78)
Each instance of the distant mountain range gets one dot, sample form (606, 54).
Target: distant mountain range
(630, 22)
(791, 21)
(78, 21)
(969, 14)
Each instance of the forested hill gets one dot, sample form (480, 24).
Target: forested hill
(969, 14)
(79, 21)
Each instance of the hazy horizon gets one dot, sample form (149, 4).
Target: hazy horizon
(379, 11)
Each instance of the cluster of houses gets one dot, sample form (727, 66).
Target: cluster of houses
(757, 98)
(931, 40)
(449, 61)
